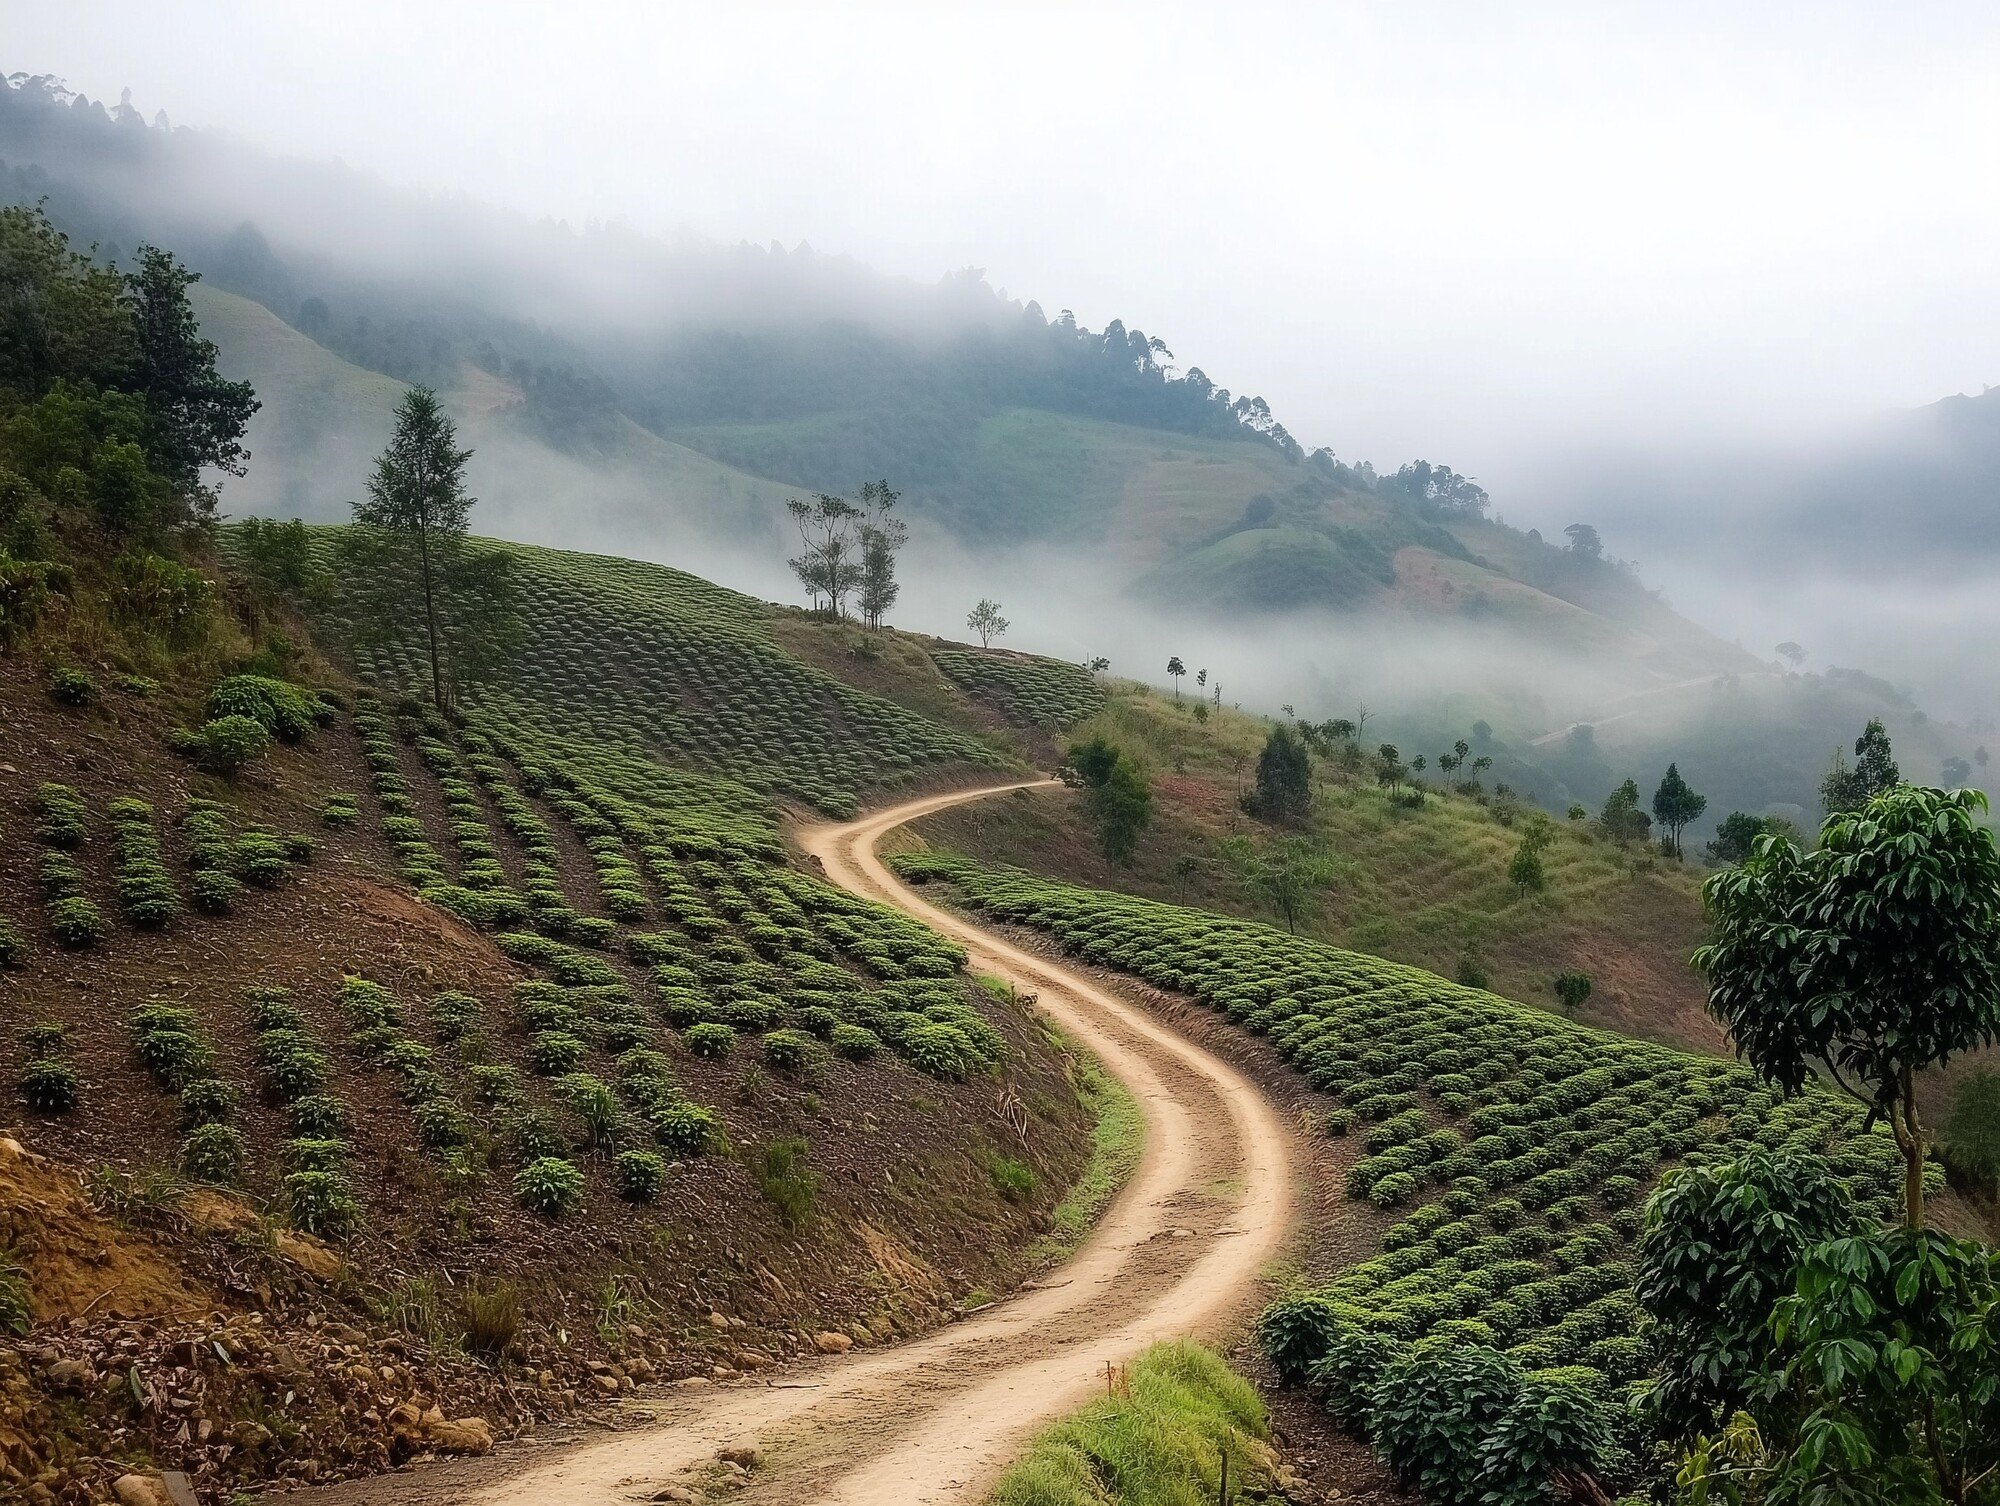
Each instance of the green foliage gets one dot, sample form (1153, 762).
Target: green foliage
(1116, 794)
(1013, 1178)
(321, 1203)
(1971, 1137)
(225, 745)
(1161, 1444)
(16, 1304)
(790, 1186)
(549, 1186)
(215, 1153)
(1572, 989)
(1621, 819)
(709, 1039)
(13, 944)
(50, 1085)
(1283, 791)
(792, 1051)
(1846, 790)
(70, 686)
(76, 923)
(61, 817)
(1721, 1246)
(1894, 1345)
(684, 1129)
(145, 891)
(639, 1175)
(1736, 838)
(1038, 692)
(1287, 876)
(1675, 804)
(1877, 954)
(286, 712)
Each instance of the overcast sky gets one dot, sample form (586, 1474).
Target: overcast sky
(1474, 232)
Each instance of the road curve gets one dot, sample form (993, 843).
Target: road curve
(1179, 1251)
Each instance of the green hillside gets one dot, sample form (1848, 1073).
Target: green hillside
(323, 419)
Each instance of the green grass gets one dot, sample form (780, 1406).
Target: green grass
(1163, 1444)
(1117, 1137)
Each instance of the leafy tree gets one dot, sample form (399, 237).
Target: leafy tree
(1098, 665)
(829, 564)
(1675, 805)
(1738, 834)
(1792, 654)
(986, 621)
(1571, 988)
(1621, 819)
(1894, 1344)
(1389, 769)
(276, 558)
(1524, 869)
(1175, 669)
(1285, 877)
(1283, 789)
(407, 557)
(1875, 956)
(1971, 1137)
(197, 417)
(1848, 789)
(883, 536)
(1584, 541)
(1957, 772)
(1116, 794)
(1719, 1247)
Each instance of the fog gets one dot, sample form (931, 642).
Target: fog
(1670, 273)
(1471, 232)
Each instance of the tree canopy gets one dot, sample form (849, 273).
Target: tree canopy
(1874, 956)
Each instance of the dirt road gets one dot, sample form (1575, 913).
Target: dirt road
(1179, 1251)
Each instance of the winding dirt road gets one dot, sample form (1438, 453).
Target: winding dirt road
(1180, 1251)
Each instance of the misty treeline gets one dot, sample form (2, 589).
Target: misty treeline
(804, 368)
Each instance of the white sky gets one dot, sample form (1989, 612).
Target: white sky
(1477, 232)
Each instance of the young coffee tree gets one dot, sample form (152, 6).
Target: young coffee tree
(1873, 957)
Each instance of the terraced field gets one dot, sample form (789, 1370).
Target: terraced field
(1518, 1147)
(1036, 692)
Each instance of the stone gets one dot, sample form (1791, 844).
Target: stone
(605, 1382)
(460, 1435)
(673, 1493)
(141, 1490)
(831, 1342)
(741, 1454)
(69, 1375)
(716, 1320)
(752, 1359)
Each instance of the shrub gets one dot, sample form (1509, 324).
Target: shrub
(1432, 1412)
(70, 686)
(549, 1186)
(1013, 1179)
(340, 811)
(215, 891)
(685, 1129)
(442, 1124)
(493, 1084)
(854, 1042)
(941, 1050)
(554, 1052)
(322, 1203)
(535, 1137)
(13, 944)
(791, 1050)
(208, 1100)
(788, 1184)
(61, 817)
(710, 1039)
(594, 1105)
(76, 923)
(226, 744)
(317, 1116)
(284, 711)
(50, 1086)
(215, 1153)
(453, 1013)
(1572, 988)
(639, 1175)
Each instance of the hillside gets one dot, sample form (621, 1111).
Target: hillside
(508, 1060)
(1426, 886)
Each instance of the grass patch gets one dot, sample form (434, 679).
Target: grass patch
(1160, 1444)
(1117, 1135)
(788, 1184)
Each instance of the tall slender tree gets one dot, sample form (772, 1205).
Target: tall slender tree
(408, 554)
(1675, 804)
(883, 535)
